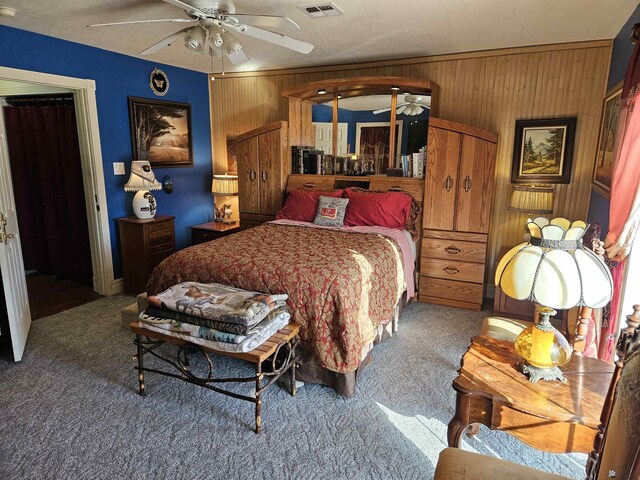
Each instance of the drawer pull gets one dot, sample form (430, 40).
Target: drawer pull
(467, 183)
(451, 270)
(309, 185)
(395, 188)
(448, 183)
(452, 250)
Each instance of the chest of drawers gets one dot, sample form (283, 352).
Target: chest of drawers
(143, 245)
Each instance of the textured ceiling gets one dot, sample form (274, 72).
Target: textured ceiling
(369, 30)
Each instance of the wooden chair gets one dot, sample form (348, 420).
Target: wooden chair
(616, 452)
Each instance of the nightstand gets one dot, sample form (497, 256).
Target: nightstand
(144, 243)
(206, 232)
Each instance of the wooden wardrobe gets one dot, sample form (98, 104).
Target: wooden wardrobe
(459, 184)
(263, 168)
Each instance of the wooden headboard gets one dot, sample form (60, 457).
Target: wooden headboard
(412, 186)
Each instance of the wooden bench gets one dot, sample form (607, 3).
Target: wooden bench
(278, 353)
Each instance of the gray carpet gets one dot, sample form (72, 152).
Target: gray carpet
(70, 410)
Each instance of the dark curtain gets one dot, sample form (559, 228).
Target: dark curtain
(47, 179)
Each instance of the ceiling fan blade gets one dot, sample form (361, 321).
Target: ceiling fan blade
(275, 38)
(188, 8)
(401, 109)
(165, 42)
(169, 20)
(238, 57)
(382, 110)
(268, 21)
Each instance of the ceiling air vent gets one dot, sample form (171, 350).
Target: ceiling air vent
(322, 10)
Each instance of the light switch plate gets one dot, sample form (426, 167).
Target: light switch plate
(118, 168)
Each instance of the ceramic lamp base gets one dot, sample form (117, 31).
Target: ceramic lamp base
(536, 373)
(144, 204)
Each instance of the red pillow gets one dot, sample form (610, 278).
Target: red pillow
(384, 209)
(302, 205)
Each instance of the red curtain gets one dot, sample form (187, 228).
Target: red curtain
(47, 180)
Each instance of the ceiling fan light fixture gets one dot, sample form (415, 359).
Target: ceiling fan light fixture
(217, 40)
(195, 39)
(322, 91)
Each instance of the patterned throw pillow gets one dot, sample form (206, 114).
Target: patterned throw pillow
(331, 211)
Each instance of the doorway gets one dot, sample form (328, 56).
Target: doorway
(46, 172)
(12, 272)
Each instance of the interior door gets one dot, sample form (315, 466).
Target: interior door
(269, 153)
(324, 137)
(441, 177)
(11, 266)
(248, 175)
(475, 185)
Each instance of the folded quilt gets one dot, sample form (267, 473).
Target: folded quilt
(218, 302)
(203, 322)
(203, 336)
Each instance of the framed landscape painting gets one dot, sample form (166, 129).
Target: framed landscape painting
(543, 150)
(161, 132)
(603, 169)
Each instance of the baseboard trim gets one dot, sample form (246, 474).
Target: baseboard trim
(115, 287)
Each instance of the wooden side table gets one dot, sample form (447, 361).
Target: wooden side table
(206, 232)
(552, 416)
(144, 243)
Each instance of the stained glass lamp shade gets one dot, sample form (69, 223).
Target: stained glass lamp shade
(556, 271)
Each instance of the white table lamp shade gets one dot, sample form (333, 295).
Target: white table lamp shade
(554, 269)
(142, 177)
(224, 185)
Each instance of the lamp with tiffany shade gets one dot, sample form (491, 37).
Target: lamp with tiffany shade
(554, 270)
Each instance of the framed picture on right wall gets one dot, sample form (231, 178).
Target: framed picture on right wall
(603, 169)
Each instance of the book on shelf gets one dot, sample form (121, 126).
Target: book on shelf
(413, 165)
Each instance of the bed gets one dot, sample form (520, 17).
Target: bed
(346, 286)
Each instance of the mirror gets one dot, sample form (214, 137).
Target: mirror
(342, 126)
(364, 132)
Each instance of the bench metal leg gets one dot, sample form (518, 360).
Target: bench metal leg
(258, 397)
(140, 358)
(294, 365)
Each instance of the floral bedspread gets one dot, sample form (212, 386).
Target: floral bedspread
(341, 285)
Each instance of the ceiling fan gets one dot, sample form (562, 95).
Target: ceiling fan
(215, 20)
(413, 106)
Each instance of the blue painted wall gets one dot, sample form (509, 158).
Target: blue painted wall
(117, 77)
(324, 113)
(620, 56)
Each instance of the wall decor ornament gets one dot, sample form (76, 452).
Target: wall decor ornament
(167, 184)
(159, 82)
(603, 169)
(543, 150)
(161, 132)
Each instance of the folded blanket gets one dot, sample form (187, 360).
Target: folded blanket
(190, 329)
(215, 301)
(277, 320)
(203, 322)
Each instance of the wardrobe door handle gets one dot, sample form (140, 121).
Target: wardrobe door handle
(452, 250)
(448, 183)
(253, 175)
(467, 183)
(264, 175)
(451, 270)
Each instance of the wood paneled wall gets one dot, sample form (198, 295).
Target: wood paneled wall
(490, 90)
